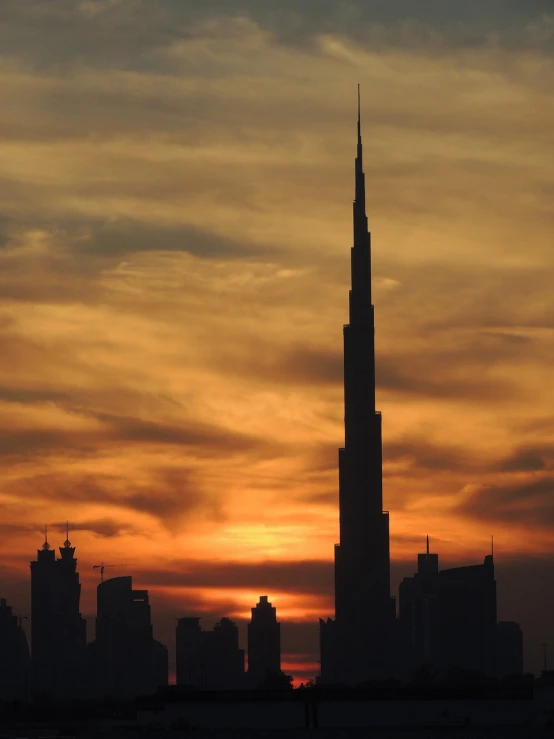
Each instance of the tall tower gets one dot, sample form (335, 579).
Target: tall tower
(357, 645)
(58, 631)
(127, 660)
(264, 642)
(14, 656)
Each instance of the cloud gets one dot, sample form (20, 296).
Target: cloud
(210, 438)
(423, 454)
(403, 372)
(107, 528)
(527, 460)
(174, 496)
(420, 379)
(115, 240)
(294, 576)
(31, 443)
(140, 26)
(31, 395)
(526, 503)
(102, 527)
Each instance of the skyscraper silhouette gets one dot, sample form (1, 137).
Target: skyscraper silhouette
(58, 631)
(209, 659)
(419, 614)
(448, 620)
(126, 658)
(357, 645)
(264, 642)
(14, 656)
(509, 649)
(467, 603)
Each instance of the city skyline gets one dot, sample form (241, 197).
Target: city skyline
(174, 273)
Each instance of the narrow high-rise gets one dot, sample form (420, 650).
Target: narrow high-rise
(209, 659)
(127, 660)
(264, 643)
(357, 645)
(14, 656)
(58, 631)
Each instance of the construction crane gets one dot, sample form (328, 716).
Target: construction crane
(102, 566)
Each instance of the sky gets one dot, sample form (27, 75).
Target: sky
(176, 181)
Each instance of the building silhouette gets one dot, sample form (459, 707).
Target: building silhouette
(264, 643)
(126, 660)
(359, 645)
(419, 614)
(447, 617)
(189, 648)
(467, 603)
(58, 631)
(509, 649)
(209, 659)
(14, 656)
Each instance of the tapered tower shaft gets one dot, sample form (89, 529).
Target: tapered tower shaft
(363, 606)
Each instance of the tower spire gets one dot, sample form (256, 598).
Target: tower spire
(363, 630)
(46, 545)
(359, 162)
(359, 118)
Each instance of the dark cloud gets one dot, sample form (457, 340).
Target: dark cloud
(175, 494)
(324, 458)
(15, 394)
(436, 374)
(68, 270)
(305, 365)
(5, 224)
(429, 377)
(176, 498)
(483, 305)
(15, 529)
(205, 439)
(213, 440)
(529, 503)
(59, 31)
(31, 442)
(527, 460)
(118, 239)
(104, 527)
(300, 576)
(51, 274)
(420, 454)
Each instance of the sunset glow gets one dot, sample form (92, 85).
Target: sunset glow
(175, 226)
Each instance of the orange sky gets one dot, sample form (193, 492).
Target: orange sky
(175, 224)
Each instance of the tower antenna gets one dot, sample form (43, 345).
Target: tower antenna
(427, 546)
(359, 116)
